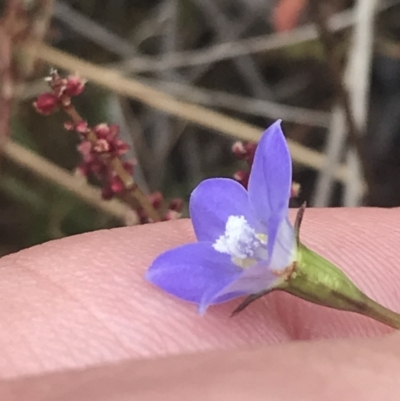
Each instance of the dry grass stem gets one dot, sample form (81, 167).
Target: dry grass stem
(157, 99)
(78, 186)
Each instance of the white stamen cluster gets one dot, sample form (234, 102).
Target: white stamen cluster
(239, 240)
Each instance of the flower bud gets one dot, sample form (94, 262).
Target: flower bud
(295, 190)
(74, 85)
(176, 204)
(156, 199)
(46, 103)
(239, 150)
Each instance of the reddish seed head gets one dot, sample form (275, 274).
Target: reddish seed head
(117, 185)
(250, 151)
(74, 85)
(82, 127)
(93, 166)
(46, 103)
(114, 186)
(129, 166)
(85, 148)
(94, 161)
(105, 131)
(101, 130)
(176, 204)
(244, 151)
(69, 126)
(156, 199)
(120, 147)
(242, 177)
(98, 167)
(113, 131)
(65, 101)
(58, 85)
(238, 149)
(101, 146)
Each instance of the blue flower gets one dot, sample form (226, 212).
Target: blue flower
(245, 240)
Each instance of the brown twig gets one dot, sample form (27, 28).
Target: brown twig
(51, 172)
(334, 66)
(158, 99)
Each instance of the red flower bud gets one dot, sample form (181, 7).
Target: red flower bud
(85, 148)
(74, 85)
(101, 130)
(239, 150)
(116, 185)
(244, 151)
(69, 126)
(250, 151)
(176, 205)
(156, 199)
(129, 166)
(120, 147)
(101, 146)
(242, 177)
(82, 127)
(105, 131)
(113, 131)
(46, 103)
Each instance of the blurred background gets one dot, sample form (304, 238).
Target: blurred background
(253, 60)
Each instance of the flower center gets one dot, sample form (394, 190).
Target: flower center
(239, 240)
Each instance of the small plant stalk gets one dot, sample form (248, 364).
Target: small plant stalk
(119, 169)
(317, 280)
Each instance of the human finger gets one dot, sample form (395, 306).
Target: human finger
(330, 370)
(82, 300)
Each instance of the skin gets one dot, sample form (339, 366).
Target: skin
(78, 322)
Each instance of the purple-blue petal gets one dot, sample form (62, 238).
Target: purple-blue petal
(271, 174)
(271, 180)
(284, 246)
(189, 271)
(252, 280)
(211, 204)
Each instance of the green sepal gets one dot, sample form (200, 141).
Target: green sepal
(319, 281)
(315, 279)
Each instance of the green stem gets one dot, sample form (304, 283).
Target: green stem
(381, 314)
(317, 280)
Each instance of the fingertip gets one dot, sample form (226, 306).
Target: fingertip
(84, 300)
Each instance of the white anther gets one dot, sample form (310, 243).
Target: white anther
(239, 240)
